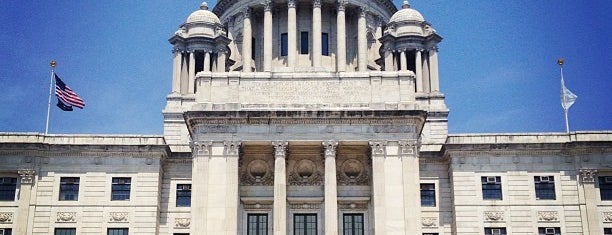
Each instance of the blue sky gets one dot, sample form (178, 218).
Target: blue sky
(497, 63)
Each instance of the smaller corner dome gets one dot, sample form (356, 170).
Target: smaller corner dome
(203, 16)
(406, 14)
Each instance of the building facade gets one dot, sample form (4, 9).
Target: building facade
(306, 117)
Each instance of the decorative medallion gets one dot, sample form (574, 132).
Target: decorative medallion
(118, 217)
(66, 217)
(429, 222)
(256, 170)
(494, 216)
(607, 217)
(182, 222)
(6, 217)
(305, 172)
(548, 216)
(352, 172)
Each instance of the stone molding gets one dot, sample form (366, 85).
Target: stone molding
(607, 217)
(494, 216)
(429, 222)
(6, 217)
(118, 217)
(330, 147)
(588, 175)
(182, 223)
(548, 216)
(232, 148)
(305, 206)
(257, 206)
(66, 217)
(408, 147)
(352, 206)
(27, 176)
(378, 148)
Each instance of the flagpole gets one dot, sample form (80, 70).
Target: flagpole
(560, 62)
(53, 64)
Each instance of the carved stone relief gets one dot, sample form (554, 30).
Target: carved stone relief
(588, 175)
(118, 217)
(494, 216)
(66, 217)
(353, 206)
(353, 170)
(6, 217)
(27, 176)
(305, 169)
(306, 206)
(548, 216)
(257, 169)
(429, 222)
(182, 222)
(607, 217)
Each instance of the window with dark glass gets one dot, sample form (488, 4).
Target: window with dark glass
(491, 187)
(430, 233)
(549, 231)
(253, 48)
(117, 231)
(257, 224)
(69, 189)
(65, 231)
(121, 188)
(6, 231)
(325, 43)
(305, 224)
(428, 195)
(495, 231)
(284, 48)
(607, 231)
(544, 187)
(8, 186)
(353, 224)
(605, 188)
(304, 43)
(183, 195)
(180, 234)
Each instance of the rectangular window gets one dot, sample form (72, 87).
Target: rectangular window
(65, 231)
(428, 195)
(491, 187)
(183, 195)
(325, 43)
(605, 188)
(180, 234)
(495, 231)
(304, 43)
(544, 187)
(257, 224)
(305, 224)
(430, 233)
(121, 188)
(607, 231)
(353, 224)
(117, 231)
(253, 48)
(549, 231)
(69, 189)
(6, 231)
(8, 186)
(284, 47)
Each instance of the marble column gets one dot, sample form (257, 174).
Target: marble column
(403, 63)
(176, 72)
(184, 74)
(317, 51)
(280, 188)
(191, 86)
(206, 61)
(433, 71)
(201, 153)
(362, 40)
(419, 71)
(247, 36)
(426, 73)
(331, 188)
(341, 36)
(389, 60)
(267, 37)
(221, 56)
(22, 215)
(291, 33)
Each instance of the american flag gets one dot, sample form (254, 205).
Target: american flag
(66, 98)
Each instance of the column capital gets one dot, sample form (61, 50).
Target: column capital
(246, 12)
(280, 148)
(316, 3)
(341, 5)
(434, 48)
(27, 176)
(330, 147)
(268, 5)
(291, 3)
(408, 147)
(200, 148)
(378, 147)
(362, 11)
(231, 147)
(588, 175)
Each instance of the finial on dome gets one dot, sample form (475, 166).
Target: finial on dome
(405, 5)
(204, 6)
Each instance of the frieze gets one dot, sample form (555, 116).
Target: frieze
(548, 216)
(182, 223)
(66, 217)
(494, 216)
(6, 217)
(118, 217)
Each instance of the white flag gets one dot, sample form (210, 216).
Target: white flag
(567, 97)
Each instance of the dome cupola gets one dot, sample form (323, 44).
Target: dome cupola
(406, 21)
(201, 23)
(203, 16)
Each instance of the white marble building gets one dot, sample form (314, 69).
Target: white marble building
(306, 117)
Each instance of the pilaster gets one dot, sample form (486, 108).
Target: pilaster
(377, 149)
(280, 187)
(27, 180)
(408, 152)
(588, 204)
(201, 153)
(331, 188)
